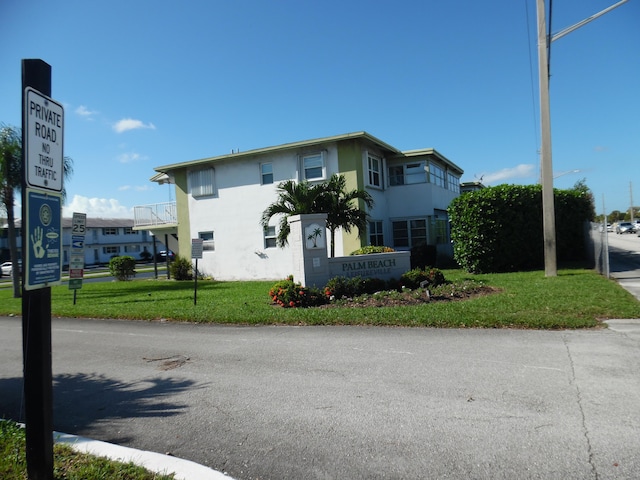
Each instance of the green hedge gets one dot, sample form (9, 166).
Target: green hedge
(499, 229)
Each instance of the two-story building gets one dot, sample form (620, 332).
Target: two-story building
(221, 199)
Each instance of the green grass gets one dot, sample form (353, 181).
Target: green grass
(576, 298)
(67, 463)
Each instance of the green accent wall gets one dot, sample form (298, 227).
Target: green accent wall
(351, 166)
(182, 207)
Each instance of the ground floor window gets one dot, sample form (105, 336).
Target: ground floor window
(111, 250)
(207, 237)
(132, 248)
(409, 233)
(376, 237)
(270, 240)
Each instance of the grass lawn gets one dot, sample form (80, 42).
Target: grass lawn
(576, 298)
(67, 463)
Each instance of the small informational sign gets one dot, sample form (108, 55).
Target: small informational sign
(44, 133)
(196, 248)
(43, 237)
(76, 259)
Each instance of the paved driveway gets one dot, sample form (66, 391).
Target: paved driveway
(349, 402)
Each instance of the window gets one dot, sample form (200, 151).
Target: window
(375, 233)
(207, 237)
(313, 167)
(201, 182)
(130, 231)
(374, 168)
(110, 231)
(270, 240)
(111, 250)
(132, 248)
(453, 183)
(437, 175)
(266, 173)
(409, 233)
(407, 174)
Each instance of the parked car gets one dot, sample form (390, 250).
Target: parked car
(7, 268)
(624, 227)
(609, 227)
(162, 256)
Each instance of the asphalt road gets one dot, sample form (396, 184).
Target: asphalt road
(348, 402)
(351, 402)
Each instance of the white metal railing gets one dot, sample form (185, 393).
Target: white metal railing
(155, 214)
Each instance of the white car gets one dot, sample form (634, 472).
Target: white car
(7, 267)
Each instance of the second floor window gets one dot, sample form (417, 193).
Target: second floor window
(266, 173)
(201, 182)
(407, 174)
(374, 167)
(436, 174)
(313, 167)
(110, 231)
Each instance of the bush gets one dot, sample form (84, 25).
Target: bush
(123, 268)
(290, 294)
(372, 249)
(413, 278)
(181, 268)
(343, 287)
(499, 229)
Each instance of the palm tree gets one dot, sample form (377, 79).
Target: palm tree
(10, 181)
(293, 199)
(343, 208)
(329, 197)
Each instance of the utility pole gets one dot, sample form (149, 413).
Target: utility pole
(546, 164)
(546, 167)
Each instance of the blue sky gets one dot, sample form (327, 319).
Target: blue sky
(148, 83)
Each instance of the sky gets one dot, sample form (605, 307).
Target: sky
(149, 83)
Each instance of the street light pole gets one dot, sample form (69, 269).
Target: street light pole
(546, 165)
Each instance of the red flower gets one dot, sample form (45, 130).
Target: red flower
(292, 303)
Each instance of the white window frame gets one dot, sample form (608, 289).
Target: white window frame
(111, 249)
(202, 182)
(410, 228)
(437, 175)
(109, 231)
(453, 182)
(264, 175)
(322, 166)
(376, 230)
(270, 237)
(412, 173)
(374, 170)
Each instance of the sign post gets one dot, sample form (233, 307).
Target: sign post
(42, 165)
(196, 253)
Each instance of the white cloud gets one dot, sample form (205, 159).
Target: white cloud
(85, 112)
(524, 170)
(97, 208)
(131, 124)
(130, 157)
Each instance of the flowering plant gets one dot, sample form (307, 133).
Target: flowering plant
(289, 294)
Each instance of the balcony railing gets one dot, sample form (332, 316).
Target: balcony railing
(156, 214)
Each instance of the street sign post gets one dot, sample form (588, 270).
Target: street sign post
(196, 253)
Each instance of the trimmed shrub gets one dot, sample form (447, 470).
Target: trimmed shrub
(181, 268)
(413, 278)
(123, 268)
(499, 229)
(372, 249)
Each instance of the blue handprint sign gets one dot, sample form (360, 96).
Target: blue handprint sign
(44, 239)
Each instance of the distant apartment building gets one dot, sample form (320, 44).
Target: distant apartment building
(105, 238)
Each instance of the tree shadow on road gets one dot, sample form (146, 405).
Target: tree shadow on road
(80, 401)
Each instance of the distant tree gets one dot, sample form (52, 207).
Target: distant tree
(581, 187)
(10, 183)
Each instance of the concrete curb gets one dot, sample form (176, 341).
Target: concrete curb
(155, 462)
